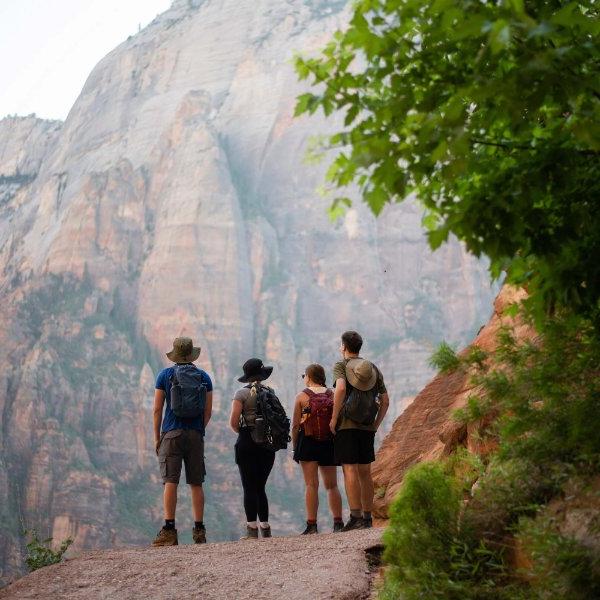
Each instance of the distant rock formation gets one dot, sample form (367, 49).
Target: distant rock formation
(174, 200)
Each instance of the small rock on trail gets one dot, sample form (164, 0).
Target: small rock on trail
(332, 566)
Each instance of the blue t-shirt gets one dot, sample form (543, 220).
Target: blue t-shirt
(170, 421)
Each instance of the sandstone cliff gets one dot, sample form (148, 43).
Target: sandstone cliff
(425, 430)
(174, 200)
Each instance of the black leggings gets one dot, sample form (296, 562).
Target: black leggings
(255, 464)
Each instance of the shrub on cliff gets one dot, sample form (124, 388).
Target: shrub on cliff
(543, 397)
(430, 551)
(40, 553)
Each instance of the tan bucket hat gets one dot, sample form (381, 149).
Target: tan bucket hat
(183, 351)
(361, 374)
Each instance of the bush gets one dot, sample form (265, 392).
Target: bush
(429, 553)
(539, 399)
(40, 554)
(561, 566)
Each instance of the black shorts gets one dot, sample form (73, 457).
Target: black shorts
(182, 445)
(354, 446)
(311, 450)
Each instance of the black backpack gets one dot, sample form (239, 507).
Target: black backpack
(188, 392)
(272, 426)
(361, 406)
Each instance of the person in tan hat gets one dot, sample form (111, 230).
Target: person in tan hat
(360, 402)
(185, 393)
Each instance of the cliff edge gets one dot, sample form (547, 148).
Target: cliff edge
(301, 567)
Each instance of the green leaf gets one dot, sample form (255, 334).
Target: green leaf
(499, 36)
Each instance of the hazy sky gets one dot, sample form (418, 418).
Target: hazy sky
(49, 47)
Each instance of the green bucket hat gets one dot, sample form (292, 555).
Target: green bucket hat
(183, 351)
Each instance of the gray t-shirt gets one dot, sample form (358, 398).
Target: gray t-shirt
(248, 401)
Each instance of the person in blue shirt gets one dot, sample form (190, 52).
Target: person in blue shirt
(180, 440)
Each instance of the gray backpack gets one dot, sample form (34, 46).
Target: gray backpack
(361, 407)
(188, 392)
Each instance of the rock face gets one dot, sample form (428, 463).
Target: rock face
(174, 200)
(426, 430)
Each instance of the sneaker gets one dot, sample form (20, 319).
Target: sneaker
(353, 523)
(251, 533)
(166, 537)
(367, 523)
(338, 526)
(199, 535)
(310, 528)
(265, 531)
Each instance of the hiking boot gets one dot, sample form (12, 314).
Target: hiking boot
(338, 526)
(199, 535)
(166, 537)
(367, 523)
(265, 531)
(310, 528)
(251, 533)
(353, 523)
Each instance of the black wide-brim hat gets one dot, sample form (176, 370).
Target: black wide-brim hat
(254, 369)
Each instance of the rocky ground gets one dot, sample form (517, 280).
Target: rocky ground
(330, 565)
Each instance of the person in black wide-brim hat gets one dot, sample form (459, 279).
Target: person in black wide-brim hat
(254, 462)
(254, 370)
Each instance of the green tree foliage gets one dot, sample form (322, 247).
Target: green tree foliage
(488, 111)
(40, 553)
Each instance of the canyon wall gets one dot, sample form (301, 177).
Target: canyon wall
(175, 200)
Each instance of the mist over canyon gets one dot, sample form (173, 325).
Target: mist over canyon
(175, 200)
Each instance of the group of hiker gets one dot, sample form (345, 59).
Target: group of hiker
(330, 427)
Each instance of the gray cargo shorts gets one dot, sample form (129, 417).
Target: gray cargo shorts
(182, 445)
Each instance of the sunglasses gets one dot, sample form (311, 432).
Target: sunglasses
(303, 375)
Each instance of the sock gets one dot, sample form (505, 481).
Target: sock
(356, 513)
(265, 524)
(366, 514)
(198, 524)
(169, 524)
(252, 524)
(311, 521)
(338, 520)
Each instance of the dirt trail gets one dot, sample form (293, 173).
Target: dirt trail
(301, 567)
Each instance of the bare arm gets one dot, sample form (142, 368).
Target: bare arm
(234, 419)
(296, 417)
(384, 403)
(159, 401)
(208, 408)
(338, 401)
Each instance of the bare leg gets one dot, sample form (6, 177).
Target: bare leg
(352, 485)
(170, 499)
(334, 498)
(197, 502)
(311, 479)
(367, 490)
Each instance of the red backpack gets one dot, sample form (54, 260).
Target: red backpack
(318, 417)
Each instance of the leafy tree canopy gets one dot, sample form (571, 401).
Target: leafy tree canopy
(489, 112)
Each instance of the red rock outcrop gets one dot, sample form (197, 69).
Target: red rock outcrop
(426, 430)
